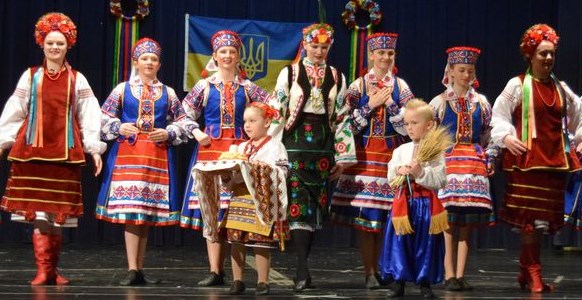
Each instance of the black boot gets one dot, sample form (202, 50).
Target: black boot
(425, 290)
(148, 279)
(133, 277)
(262, 289)
(237, 288)
(302, 240)
(396, 289)
(212, 279)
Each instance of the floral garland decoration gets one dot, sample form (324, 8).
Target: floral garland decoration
(142, 11)
(359, 34)
(353, 6)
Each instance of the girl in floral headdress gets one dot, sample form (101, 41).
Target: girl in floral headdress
(145, 118)
(466, 197)
(315, 129)
(218, 102)
(47, 126)
(362, 197)
(531, 119)
(256, 170)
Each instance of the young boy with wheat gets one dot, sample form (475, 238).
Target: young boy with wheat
(413, 245)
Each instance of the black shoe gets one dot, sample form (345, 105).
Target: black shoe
(148, 279)
(384, 282)
(262, 289)
(212, 279)
(452, 284)
(133, 277)
(301, 285)
(372, 282)
(237, 288)
(464, 285)
(426, 291)
(396, 289)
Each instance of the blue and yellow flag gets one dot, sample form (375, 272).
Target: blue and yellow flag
(267, 47)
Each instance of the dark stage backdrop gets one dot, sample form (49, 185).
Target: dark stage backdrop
(426, 28)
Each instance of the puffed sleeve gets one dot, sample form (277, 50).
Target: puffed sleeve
(394, 163)
(345, 146)
(574, 113)
(89, 116)
(437, 105)
(396, 111)
(178, 124)
(256, 93)
(111, 112)
(433, 175)
(280, 102)
(15, 111)
(193, 104)
(359, 113)
(505, 104)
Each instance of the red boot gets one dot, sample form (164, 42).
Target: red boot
(42, 253)
(523, 278)
(56, 246)
(534, 268)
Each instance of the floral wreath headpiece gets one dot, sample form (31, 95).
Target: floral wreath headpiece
(268, 111)
(319, 33)
(141, 11)
(146, 45)
(534, 35)
(353, 6)
(55, 22)
(382, 40)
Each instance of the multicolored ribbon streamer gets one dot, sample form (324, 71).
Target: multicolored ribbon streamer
(528, 124)
(358, 51)
(126, 34)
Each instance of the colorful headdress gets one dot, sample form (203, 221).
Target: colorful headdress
(319, 33)
(225, 38)
(382, 40)
(268, 111)
(463, 55)
(146, 45)
(221, 39)
(55, 22)
(534, 35)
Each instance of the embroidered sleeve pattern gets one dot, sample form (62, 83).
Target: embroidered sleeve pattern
(501, 118)
(194, 102)
(280, 102)
(395, 111)
(178, 123)
(345, 150)
(15, 112)
(110, 112)
(88, 116)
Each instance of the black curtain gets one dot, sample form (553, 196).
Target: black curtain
(426, 29)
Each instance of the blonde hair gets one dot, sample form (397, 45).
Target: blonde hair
(420, 107)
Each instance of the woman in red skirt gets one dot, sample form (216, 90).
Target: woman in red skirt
(531, 119)
(51, 120)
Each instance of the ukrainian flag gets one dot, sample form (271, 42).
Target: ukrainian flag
(267, 47)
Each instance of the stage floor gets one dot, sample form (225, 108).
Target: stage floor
(336, 273)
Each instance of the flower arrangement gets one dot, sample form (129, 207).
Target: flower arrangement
(142, 11)
(353, 6)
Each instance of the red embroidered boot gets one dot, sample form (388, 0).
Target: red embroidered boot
(42, 254)
(536, 283)
(57, 243)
